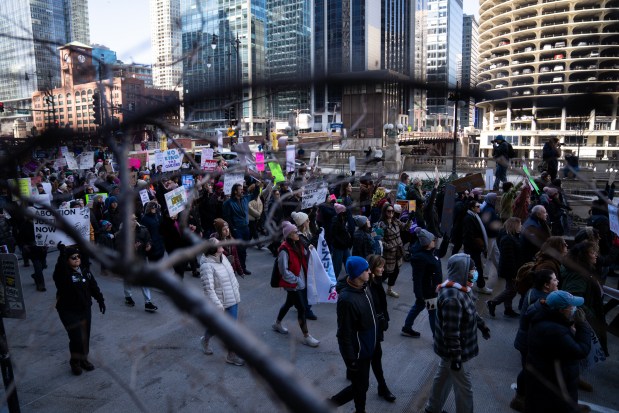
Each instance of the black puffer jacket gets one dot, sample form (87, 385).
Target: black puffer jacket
(380, 304)
(427, 272)
(510, 258)
(356, 324)
(341, 238)
(74, 289)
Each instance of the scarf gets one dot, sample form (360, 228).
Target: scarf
(453, 284)
(481, 225)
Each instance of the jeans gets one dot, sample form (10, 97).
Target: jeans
(242, 233)
(339, 258)
(294, 298)
(360, 381)
(233, 311)
(416, 309)
(127, 290)
(500, 175)
(445, 379)
(77, 324)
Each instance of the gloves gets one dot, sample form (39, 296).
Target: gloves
(102, 307)
(456, 365)
(485, 333)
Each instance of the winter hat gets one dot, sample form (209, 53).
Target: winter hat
(361, 220)
(141, 184)
(111, 199)
(550, 191)
(478, 191)
(63, 187)
(299, 218)
(103, 223)
(288, 228)
(355, 266)
(397, 209)
(425, 237)
(499, 138)
(219, 224)
(490, 198)
(339, 208)
(558, 300)
(70, 251)
(219, 185)
(150, 205)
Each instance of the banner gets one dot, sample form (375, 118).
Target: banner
(325, 257)
(290, 156)
(64, 150)
(320, 289)
(172, 160)
(46, 233)
(277, 173)
(260, 161)
(314, 194)
(176, 200)
(230, 179)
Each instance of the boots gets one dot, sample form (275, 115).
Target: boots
(76, 368)
(383, 391)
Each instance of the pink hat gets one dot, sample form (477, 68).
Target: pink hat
(288, 228)
(219, 185)
(339, 208)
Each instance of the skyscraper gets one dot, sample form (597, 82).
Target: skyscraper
(444, 48)
(470, 63)
(165, 22)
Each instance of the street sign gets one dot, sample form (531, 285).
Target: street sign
(337, 125)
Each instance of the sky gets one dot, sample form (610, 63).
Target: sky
(124, 26)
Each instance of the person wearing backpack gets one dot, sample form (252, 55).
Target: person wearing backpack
(551, 152)
(501, 152)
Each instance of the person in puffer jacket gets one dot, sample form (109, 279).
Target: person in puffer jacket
(356, 332)
(455, 335)
(222, 289)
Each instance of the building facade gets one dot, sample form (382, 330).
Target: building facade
(550, 70)
(167, 70)
(418, 111)
(470, 61)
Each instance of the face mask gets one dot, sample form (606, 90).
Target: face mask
(474, 274)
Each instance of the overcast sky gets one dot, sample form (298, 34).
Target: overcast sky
(124, 26)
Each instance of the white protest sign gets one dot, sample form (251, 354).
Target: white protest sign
(71, 162)
(172, 160)
(489, 179)
(46, 233)
(47, 187)
(207, 163)
(230, 179)
(144, 196)
(312, 159)
(325, 257)
(320, 289)
(158, 159)
(176, 200)
(207, 153)
(60, 163)
(314, 194)
(290, 156)
(613, 218)
(40, 199)
(352, 163)
(86, 160)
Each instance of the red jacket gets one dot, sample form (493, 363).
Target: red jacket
(296, 260)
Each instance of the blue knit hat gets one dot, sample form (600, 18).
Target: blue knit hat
(355, 266)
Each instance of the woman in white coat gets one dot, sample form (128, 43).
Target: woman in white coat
(222, 288)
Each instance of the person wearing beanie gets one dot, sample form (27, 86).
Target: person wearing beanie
(362, 242)
(341, 240)
(75, 289)
(292, 262)
(551, 200)
(356, 332)
(309, 240)
(427, 275)
(222, 233)
(393, 247)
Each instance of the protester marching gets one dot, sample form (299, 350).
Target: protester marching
(330, 243)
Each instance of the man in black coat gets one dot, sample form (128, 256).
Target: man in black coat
(535, 231)
(475, 240)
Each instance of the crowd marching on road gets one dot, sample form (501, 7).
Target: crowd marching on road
(559, 318)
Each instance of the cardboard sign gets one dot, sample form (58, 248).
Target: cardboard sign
(46, 233)
(176, 200)
(469, 182)
(260, 161)
(64, 150)
(277, 173)
(41, 199)
(290, 157)
(208, 165)
(144, 196)
(529, 177)
(25, 189)
(172, 160)
(613, 218)
(142, 157)
(11, 293)
(314, 194)
(60, 163)
(320, 288)
(230, 179)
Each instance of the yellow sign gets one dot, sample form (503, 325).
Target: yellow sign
(163, 144)
(230, 132)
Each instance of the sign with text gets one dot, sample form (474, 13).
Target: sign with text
(11, 293)
(157, 159)
(86, 160)
(230, 179)
(314, 194)
(176, 200)
(144, 196)
(47, 234)
(352, 162)
(468, 183)
(71, 162)
(172, 160)
(290, 157)
(312, 159)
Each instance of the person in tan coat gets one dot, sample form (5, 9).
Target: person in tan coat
(256, 207)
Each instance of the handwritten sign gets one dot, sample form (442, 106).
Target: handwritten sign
(489, 179)
(71, 162)
(91, 197)
(312, 159)
(172, 160)
(260, 161)
(176, 200)
(46, 233)
(144, 196)
(277, 173)
(86, 160)
(230, 179)
(314, 194)
(157, 159)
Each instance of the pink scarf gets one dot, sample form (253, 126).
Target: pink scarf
(453, 284)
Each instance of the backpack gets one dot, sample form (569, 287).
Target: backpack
(524, 277)
(511, 152)
(275, 276)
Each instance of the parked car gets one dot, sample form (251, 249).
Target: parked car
(515, 72)
(544, 69)
(558, 68)
(527, 92)
(557, 90)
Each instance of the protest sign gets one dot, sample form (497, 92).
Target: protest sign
(489, 179)
(230, 179)
(290, 156)
(276, 171)
(172, 160)
(410, 206)
(60, 163)
(25, 189)
(320, 289)
(11, 293)
(86, 160)
(613, 218)
(176, 200)
(312, 159)
(220, 142)
(46, 234)
(71, 162)
(144, 196)
(352, 162)
(134, 163)
(157, 159)
(188, 182)
(207, 153)
(314, 194)
(260, 161)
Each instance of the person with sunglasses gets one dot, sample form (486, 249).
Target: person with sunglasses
(75, 290)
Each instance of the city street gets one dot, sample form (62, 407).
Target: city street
(155, 360)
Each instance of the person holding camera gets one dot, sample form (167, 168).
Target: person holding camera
(551, 152)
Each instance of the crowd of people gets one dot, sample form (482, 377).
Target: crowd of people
(520, 232)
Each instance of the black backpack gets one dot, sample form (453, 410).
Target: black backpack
(511, 152)
(275, 276)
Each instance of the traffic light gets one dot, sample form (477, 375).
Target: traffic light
(96, 107)
(1, 107)
(232, 114)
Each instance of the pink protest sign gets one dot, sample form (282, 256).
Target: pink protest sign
(134, 163)
(260, 161)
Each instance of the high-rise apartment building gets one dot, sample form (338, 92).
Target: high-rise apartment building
(30, 32)
(444, 49)
(288, 55)
(470, 62)
(224, 63)
(550, 69)
(165, 22)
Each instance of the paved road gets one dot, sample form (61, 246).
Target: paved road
(155, 360)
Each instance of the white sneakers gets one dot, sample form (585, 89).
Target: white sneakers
(206, 349)
(310, 341)
(484, 290)
(279, 328)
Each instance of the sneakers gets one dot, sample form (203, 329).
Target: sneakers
(234, 359)
(279, 328)
(484, 290)
(129, 302)
(206, 349)
(310, 341)
(511, 314)
(150, 307)
(392, 293)
(86, 365)
(491, 307)
(409, 332)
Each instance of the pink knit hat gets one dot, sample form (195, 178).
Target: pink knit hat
(339, 208)
(288, 228)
